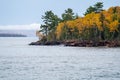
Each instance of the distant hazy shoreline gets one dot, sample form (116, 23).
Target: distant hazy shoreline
(28, 33)
(12, 35)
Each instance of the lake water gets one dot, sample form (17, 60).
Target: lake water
(19, 61)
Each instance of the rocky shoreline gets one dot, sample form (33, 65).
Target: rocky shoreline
(79, 43)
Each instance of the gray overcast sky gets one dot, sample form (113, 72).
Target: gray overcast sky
(21, 12)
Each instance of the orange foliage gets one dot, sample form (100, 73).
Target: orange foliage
(59, 29)
(113, 26)
(111, 21)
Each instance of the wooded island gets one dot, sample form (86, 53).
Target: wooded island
(98, 27)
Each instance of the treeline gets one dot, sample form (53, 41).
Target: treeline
(96, 25)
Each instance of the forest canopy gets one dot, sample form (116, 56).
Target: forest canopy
(97, 24)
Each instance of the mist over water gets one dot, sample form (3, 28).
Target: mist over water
(28, 33)
(19, 61)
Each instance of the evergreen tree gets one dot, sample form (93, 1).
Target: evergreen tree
(96, 8)
(68, 15)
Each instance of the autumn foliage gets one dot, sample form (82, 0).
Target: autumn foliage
(104, 25)
(97, 25)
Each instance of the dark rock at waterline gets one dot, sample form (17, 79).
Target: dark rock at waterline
(46, 43)
(35, 43)
(79, 43)
(93, 44)
(52, 43)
